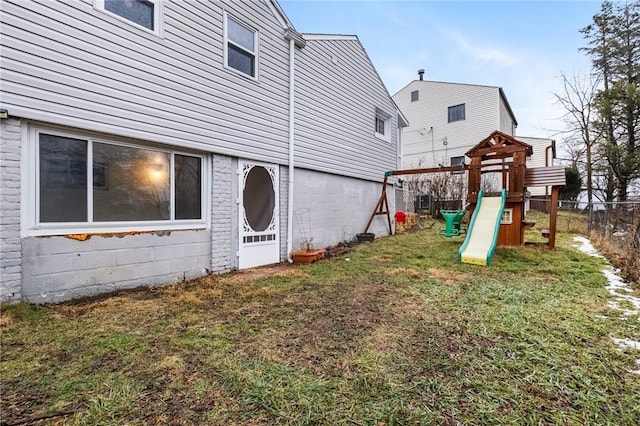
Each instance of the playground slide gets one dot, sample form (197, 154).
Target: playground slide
(482, 235)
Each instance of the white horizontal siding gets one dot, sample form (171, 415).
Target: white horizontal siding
(69, 64)
(506, 121)
(541, 156)
(423, 141)
(337, 93)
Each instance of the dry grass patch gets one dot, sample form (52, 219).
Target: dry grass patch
(626, 258)
(189, 298)
(171, 363)
(448, 277)
(5, 319)
(409, 272)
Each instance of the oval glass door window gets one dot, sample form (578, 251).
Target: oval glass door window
(258, 198)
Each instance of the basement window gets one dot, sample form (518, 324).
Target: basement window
(85, 184)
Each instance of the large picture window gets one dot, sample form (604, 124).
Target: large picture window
(87, 183)
(241, 47)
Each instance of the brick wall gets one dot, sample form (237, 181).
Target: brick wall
(221, 213)
(10, 253)
(284, 208)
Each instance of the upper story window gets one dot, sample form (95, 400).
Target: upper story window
(83, 184)
(382, 125)
(414, 96)
(456, 113)
(144, 13)
(240, 47)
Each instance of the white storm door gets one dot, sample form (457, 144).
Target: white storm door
(259, 215)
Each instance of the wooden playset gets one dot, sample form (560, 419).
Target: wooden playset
(504, 156)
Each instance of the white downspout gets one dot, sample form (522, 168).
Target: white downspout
(292, 48)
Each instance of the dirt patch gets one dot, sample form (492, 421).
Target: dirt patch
(326, 326)
(281, 270)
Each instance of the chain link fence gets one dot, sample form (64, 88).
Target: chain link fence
(616, 224)
(616, 221)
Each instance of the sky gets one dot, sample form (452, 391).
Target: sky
(521, 46)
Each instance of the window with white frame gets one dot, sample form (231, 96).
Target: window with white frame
(507, 217)
(87, 184)
(456, 113)
(241, 46)
(382, 126)
(144, 13)
(414, 96)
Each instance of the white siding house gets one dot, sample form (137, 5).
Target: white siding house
(144, 143)
(347, 127)
(448, 119)
(544, 152)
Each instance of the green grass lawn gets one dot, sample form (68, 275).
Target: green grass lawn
(394, 333)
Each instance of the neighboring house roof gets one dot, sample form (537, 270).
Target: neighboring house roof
(506, 103)
(402, 119)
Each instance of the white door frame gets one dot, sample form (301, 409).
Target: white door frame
(258, 247)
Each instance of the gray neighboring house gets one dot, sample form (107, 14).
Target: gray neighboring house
(145, 143)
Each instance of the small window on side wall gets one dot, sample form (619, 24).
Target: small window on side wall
(143, 13)
(456, 113)
(382, 126)
(240, 47)
(414, 96)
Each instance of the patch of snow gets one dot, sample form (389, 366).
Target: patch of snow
(627, 344)
(620, 291)
(616, 286)
(586, 246)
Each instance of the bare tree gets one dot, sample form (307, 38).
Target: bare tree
(578, 100)
(614, 46)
